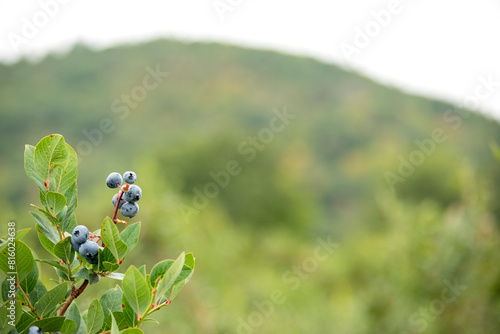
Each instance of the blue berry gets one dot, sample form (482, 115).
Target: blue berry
(90, 251)
(114, 180)
(74, 245)
(129, 177)
(130, 209)
(114, 201)
(133, 194)
(34, 330)
(79, 235)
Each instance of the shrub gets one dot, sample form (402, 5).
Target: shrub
(27, 304)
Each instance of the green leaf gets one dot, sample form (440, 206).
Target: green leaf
(50, 156)
(105, 255)
(187, 272)
(82, 329)
(136, 291)
(5, 314)
(43, 198)
(159, 270)
(29, 283)
(62, 215)
(170, 277)
(68, 327)
(46, 228)
(53, 263)
(5, 289)
(72, 202)
(132, 331)
(82, 273)
(26, 320)
(130, 235)
(93, 278)
(71, 196)
(46, 243)
(70, 224)
(73, 313)
(95, 317)
(142, 270)
(53, 220)
(75, 263)
(117, 276)
(84, 318)
(174, 290)
(29, 167)
(111, 238)
(21, 233)
(55, 202)
(51, 299)
(63, 275)
(69, 175)
(64, 250)
(37, 292)
(151, 320)
(52, 324)
(24, 261)
(21, 297)
(128, 313)
(110, 266)
(111, 301)
(120, 320)
(114, 326)
(189, 260)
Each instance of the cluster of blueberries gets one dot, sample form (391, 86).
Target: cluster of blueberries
(86, 248)
(129, 208)
(131, 192)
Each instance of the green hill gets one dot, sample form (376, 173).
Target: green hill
(260, 154)
(345, 134)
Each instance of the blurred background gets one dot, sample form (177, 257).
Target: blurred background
(331, 166)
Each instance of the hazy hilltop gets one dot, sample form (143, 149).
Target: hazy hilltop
(252, 160)
(343, 135)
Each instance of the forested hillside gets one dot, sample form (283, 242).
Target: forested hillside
(260, 154)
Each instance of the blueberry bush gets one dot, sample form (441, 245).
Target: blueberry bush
(81, 257)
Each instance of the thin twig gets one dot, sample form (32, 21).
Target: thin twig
(27, 299)
(74, 294)
(118, 199)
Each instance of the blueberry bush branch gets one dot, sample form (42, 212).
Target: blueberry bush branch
(117, 205)
(81, 257)
(74, 294)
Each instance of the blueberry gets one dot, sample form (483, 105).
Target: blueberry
(133, 194)
(75, 245)
(130, 209)
(90, 251)
(79, 235)
(129, 177)
(114, 180)
(35, 330)
(114, 201)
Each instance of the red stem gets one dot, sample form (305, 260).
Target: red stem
(118, 199)
(74, 294)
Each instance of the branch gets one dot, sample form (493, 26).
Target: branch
(69, 271)
(27, 300)
(118, 199)
(74, 294)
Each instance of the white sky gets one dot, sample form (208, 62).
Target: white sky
(440, 48)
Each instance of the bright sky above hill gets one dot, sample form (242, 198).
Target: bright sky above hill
(447, 48)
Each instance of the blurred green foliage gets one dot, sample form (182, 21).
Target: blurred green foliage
(322, 176)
